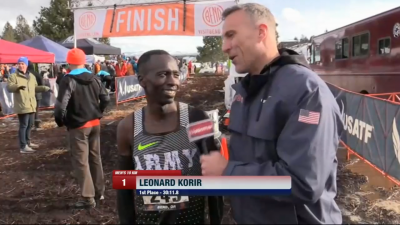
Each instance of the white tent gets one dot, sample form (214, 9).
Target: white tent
(94, 58)
(232, 79)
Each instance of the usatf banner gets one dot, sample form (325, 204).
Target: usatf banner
(202, 19)
(371, 129)
(128, 88)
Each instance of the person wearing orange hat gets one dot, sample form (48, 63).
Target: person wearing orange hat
(80, 104)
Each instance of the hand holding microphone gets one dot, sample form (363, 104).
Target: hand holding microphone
(212, 163)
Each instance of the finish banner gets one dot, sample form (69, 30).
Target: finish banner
(371, 128)
(202, 19)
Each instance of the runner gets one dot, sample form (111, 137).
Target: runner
(155, 138)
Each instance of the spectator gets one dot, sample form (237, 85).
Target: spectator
(120, 68)
(103, 66)
(111, 71)
(97, 67)
(80, 104)
(129, 69)
(24, 85)
(106, 78)
(38, 95)
(61, 75)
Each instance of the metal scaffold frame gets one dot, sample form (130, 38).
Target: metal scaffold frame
(104, 4)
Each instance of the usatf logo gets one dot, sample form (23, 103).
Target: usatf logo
(238, 98)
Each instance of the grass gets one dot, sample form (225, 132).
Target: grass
(48, 124)
(57, 151)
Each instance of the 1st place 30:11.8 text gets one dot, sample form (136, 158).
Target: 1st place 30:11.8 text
(158, 192)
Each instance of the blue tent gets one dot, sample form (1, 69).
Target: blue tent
(45, 44)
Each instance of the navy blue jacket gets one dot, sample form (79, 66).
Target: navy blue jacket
(286, 126)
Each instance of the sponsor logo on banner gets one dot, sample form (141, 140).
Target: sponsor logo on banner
(87, 20)
(208, 18)
(396, 140)
(202, 19)
(128, 88)
(124, 88)
(212, 15)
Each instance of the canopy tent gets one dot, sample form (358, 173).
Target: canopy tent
(91, 46)
(45, 44)
(10, 53)
(94, 58)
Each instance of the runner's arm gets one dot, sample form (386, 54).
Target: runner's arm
(125, 198)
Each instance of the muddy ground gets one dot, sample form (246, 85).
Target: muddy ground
(38, 188)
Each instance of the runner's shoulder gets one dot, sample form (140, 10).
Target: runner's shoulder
(126, 126)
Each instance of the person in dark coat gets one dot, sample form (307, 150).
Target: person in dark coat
(38, 95)
(61, 74)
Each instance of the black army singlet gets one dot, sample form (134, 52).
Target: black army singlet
(171, 151)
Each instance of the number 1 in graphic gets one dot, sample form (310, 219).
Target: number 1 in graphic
(123, 182)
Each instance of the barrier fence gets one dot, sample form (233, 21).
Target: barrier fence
(371, 129)
(128, 88)
(7, 99)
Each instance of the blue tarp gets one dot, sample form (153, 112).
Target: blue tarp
(45, 44)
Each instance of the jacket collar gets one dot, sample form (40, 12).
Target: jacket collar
(21, 74)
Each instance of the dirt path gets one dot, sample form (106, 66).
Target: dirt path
(38, 188)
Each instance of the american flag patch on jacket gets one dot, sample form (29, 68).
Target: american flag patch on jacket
(309, 117)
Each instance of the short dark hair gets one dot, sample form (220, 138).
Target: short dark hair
(145, 58)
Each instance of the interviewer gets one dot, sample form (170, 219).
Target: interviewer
(284, 121)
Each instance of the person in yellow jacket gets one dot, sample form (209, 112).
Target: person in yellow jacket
(23, 85)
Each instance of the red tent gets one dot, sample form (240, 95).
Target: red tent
(10, 53)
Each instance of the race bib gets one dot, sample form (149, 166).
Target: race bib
(165, 203)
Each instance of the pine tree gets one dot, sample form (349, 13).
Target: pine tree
(211, 51)
(8, 33)
(22, 30)
(55, 22)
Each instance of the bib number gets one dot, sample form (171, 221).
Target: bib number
(165, 203)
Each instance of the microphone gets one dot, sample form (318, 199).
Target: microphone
(201, 130)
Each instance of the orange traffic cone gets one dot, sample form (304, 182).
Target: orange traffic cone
(226, 116)
(224, 149)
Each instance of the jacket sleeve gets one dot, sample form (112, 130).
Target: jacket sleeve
(307, 151)
(41, 88)
(66, 87)
(104, 97)
(12, 85)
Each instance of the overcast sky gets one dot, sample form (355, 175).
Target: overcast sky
(295, 17)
